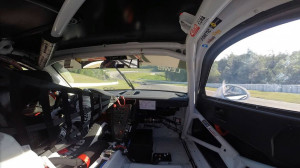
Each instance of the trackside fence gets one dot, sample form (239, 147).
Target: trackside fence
(264, 87)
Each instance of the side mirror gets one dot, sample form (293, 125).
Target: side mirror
(232, 92)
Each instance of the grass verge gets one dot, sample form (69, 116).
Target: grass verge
(79, 78)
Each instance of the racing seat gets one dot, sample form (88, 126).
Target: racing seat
(85, 151)
(17, 156)
(27, 93)
(15, 104)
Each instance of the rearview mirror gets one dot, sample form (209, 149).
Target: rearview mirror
(126, 63)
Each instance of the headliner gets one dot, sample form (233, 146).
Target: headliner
(96, 22)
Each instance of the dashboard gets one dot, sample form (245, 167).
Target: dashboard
(47, 114)
(161, 98)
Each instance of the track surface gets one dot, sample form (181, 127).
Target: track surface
(268, 103)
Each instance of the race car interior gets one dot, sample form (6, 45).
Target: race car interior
(146, 84)
(69, 124)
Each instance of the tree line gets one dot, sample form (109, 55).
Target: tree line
(252, 68)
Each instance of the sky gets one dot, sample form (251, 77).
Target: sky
(284, 38)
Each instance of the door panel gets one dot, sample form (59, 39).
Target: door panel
(275, 134)
(265, 126)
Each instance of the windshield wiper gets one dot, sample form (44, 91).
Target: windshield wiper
(124, 77)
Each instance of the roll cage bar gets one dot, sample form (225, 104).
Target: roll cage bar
(192, 53)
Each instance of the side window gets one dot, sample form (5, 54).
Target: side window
(263, 69)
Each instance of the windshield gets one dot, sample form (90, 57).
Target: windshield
(156, 73)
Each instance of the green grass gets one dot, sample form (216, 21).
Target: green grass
(285, 97)
(79, 78)
(143, 70)
(140, 75)
(120, 86)
(179, 84)
(211, 89)
(144, 75)
(153, 77)
(124, 70)
(278, 96)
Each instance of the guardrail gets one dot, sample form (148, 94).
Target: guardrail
(264, 87)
